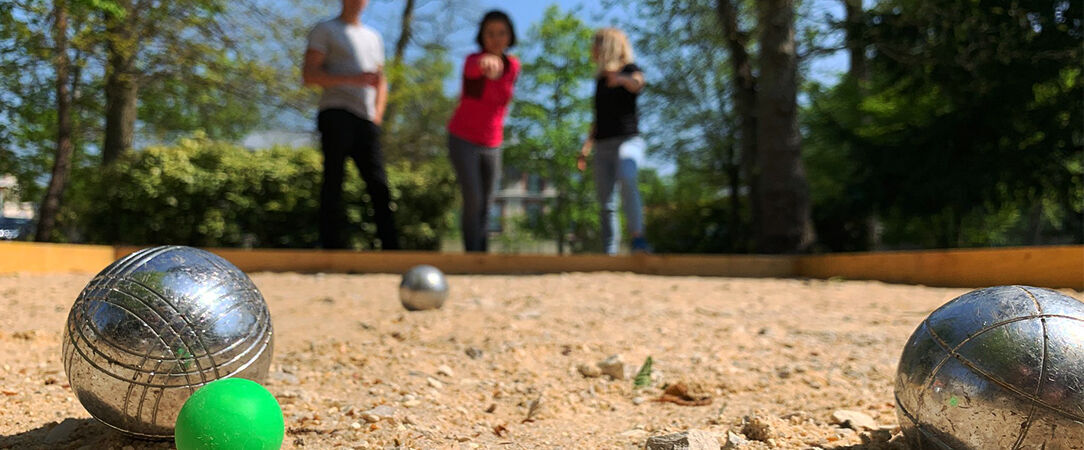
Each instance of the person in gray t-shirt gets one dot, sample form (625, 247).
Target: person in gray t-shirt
(346, 58)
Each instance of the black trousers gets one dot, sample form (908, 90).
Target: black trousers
(344, 134)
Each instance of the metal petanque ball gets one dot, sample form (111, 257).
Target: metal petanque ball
(1001, 367)
(155, 326)
(423, 287)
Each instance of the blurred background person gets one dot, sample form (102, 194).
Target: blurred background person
(615, 138)
(476, 129)
(346, 58)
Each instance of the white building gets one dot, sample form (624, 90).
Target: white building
(15, 216)
(10, 206)
(521, 195)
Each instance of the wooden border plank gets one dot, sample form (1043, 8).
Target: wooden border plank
(32, 257)
(345, 261)
(1053, 267)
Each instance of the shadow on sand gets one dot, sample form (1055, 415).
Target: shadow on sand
(73, 434)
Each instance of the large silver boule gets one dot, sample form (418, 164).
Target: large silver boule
(423, 287)
(156, 325)
(996, 368)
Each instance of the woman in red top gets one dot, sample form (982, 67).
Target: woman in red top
(477, 127)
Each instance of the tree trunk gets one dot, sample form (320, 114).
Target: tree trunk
(121, 89)
(734, 175)
(1035, 223)
(855, 44)
(405, 31)
(858, 73)
(405, 34)
(744, 95)
(786, 224)
(560, 222)
(731, 165)
(50, 205)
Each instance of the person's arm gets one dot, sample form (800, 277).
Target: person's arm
(474, 84)
(313, 73)
(585, 151)
(492, 66)
(633, 82)
(381, 99)
(380, 103)
(501, 89)
(472, 67)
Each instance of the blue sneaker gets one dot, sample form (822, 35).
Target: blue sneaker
(639, 245)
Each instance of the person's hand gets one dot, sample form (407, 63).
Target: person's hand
(581, 160)
(613, 79)
(368, 79)
(492, 66)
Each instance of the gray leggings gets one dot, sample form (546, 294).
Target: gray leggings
(614, 167)
(478, 170)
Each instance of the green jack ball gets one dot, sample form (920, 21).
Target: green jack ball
(231, 413)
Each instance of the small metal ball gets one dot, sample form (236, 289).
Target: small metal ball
(1001, 367)
(155, 326)
(423, 287)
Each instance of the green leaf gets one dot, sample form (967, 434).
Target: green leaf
(643, 377)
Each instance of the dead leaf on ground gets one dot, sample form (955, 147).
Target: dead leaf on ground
(686, 394)
(532, 409)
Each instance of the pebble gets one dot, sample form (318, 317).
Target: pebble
(613, 366)
(434, 383)
(589, 371)
(636, 435)
(379, 413)
(284, 377)
(734, 441)
(757, 429)
(685, 440)
(854, 420)
(446, 371)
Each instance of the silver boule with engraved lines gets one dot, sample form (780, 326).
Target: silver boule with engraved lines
(423, 287)
(155, 326)
(996, 368)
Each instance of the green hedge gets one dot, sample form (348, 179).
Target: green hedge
(207, 193)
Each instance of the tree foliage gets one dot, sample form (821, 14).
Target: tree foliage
(549, 121)
(968, 132)
(690, 120)
(418, 89)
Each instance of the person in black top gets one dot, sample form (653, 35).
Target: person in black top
(615, 137)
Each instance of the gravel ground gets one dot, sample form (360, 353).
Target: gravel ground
(510, 361)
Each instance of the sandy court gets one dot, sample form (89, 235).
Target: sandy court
(780, 355)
